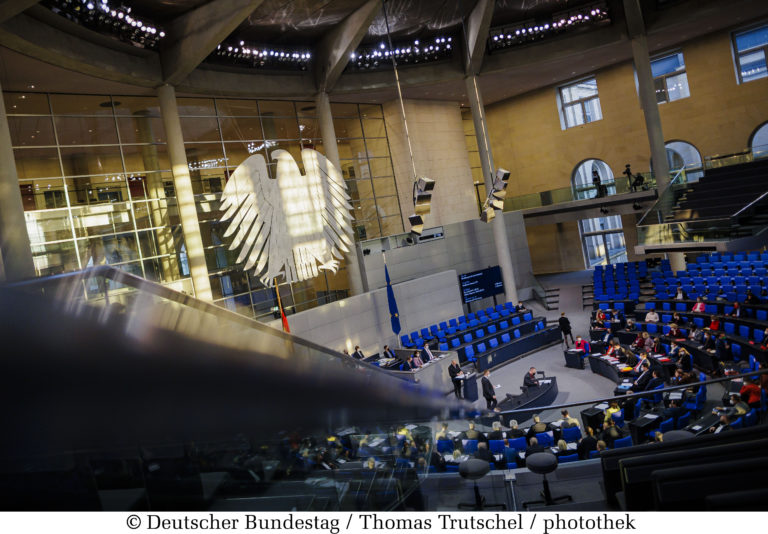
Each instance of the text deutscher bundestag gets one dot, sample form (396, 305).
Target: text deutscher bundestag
(335, 523)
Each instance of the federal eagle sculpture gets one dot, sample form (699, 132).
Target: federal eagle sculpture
(293, 226)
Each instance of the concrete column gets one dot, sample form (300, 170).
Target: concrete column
(486, 161)
(647, 93)
(184, 196)
(676, 261)
(328, 134)
(15, 250)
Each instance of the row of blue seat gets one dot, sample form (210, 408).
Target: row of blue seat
(711, 309)
(727, 256)
(441, 331)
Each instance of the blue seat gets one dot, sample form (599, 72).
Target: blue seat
(684, 420)
(471, 316)
(711, 309)
(666, 318)
(699, 322)
(516, 332)
(503, 325)
(479, 333)
(751, 418)
(443, 347)
(405, 341)
(467, 338)
(567, 459)
(519, 444)
(473, 323)
(480, 348)
(433, 329)
(443, 326)
(515, 320)
(528, 316)
(450, 468)
(469, 446)
(455, 342)
(453, 323)
(761, 315)
(619, 305)
(594, 454)
(667, 425)
(493, 343)
(425, 334)
(666, 306)
(618, 418)
(680, 306)
(744, 331)
(492, 329)
(512, 465)
(505, 338)
(484, 319)
(602, 306)
(444, 446)
(571, 434)
(545, 440)
(419, 344)
(469, 353)
(738, 423)
(504, 312)
(451, 330)
(623, 442)
(729, 328)
(736, 351)
(651, 328)
(496, 446)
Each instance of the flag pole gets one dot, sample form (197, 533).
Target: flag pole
(284, 319)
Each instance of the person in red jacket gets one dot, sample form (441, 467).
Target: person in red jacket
(750, 393)
(580, 344)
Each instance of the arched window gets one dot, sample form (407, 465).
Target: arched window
(602, 238)
(759, 142)
(684, 157)
(583, 179)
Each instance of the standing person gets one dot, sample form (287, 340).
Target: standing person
(596, 183)
(456, 375)
(630, 181)
(488, 392)
(565, 328)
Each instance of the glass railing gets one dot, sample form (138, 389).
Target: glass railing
(569, 194)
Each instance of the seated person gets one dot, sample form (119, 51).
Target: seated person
(530, 379)
(587, 444)
(641, 361)
(736, 311)
(416, 359)
(695, 334)
(699, 307)
(674, 350)
(655, 380)
(580, 344)
(685, 360)
(534, 447)
(483, 453)
(618, 317)
(764, 344)
(630, 325)
(707, 342)
(678, 319)
(599, 321)
(651, 317)
(613, 407)
(538, 427)
(723, 426)
(510, 454)
(714, 323)
(723, 349)
(639, 341)
(614, 348)
(520, 307)
(674, 331)
(627, 357)
(443, 433)
(437, 461)
(751, 298)
(658, 347)
(680, 294)
(601, 445)
(567, 420)
(645, 376)
(562, 448)
(472, 433)
(750, 393)
(648, 342)
(496, 433)
(610, 432)
(513, 431)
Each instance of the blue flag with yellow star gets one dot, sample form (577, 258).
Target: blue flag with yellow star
(394, 316)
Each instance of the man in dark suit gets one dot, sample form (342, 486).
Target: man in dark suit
(565, 328)
(456, 375)
(496, 433)
(610, 433)
(534, 447)
(488, 392)
(654, 382)
(513, 431)
(472, 433)
(358, 354)
(387, 353)
(644, 378)
(587, 444)
(530, 379)
(723, 349)
(483, 453)
(538, 427)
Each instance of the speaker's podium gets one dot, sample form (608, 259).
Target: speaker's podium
(470, 387)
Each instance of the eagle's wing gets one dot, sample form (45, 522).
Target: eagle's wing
(252, 201)
(330, 199)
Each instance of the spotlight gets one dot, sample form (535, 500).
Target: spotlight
(422, 195)
(366, 251)
(488, 215)
(417, 224)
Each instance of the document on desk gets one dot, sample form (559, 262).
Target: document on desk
(696, 428)
(571, 446)
(602, 406)
(544, 381)
(651, 416)
(410, 427)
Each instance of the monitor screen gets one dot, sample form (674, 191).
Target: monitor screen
(478, 285)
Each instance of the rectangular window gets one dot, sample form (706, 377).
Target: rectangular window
(750, 52)
(669, 78)
(580, 103)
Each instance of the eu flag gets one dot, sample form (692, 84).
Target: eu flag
(394, 316)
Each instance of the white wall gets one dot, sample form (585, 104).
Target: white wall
(364, 319)
(467, 246)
